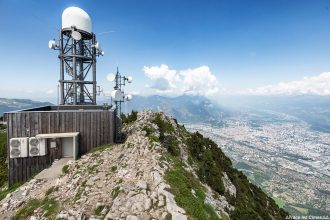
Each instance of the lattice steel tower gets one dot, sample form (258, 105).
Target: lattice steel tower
(78, 50)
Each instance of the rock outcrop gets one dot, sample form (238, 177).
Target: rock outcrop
(125, 181)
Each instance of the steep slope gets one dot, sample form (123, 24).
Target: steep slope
(160, 172)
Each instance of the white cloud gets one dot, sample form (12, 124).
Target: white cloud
(50, 92)
(198, 81)
(316, 85)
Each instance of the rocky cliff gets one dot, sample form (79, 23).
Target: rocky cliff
(160, 172)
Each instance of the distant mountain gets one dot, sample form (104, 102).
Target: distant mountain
(192, 109)
(7, 105)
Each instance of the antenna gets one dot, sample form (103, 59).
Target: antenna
(118, 96)
(78, 50)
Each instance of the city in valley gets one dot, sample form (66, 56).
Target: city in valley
(282, 155)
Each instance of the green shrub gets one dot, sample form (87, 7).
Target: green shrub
(131, 117)
(149, 134)
(113, 168)
(163, 126)
(51, 190)
(3, 158)
(65, 169)
(171, 144)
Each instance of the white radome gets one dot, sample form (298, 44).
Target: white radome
(117, 95)
(74, 16)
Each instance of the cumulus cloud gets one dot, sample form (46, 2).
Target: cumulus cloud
(198, 81)
(316, 85)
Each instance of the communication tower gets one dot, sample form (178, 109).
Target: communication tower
(78, 49)
(118, 96)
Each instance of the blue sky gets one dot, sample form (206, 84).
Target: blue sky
(244, 44)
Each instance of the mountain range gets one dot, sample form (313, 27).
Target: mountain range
(7, 105)
(186, 109)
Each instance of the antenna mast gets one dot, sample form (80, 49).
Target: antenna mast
(78, 50)
(119, 97)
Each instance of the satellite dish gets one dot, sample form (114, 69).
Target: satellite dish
(111, 77)
(76, 35)
(102, 53)
(128, 97)
(52, 44)
(129, 79)
(117, 95)
(97, 46)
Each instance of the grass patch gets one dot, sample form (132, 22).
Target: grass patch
(168, 216)
(81, 189)
(121, 156)
(91, 169)
(115, 192)
(149, 133)
(51, 190)
(113, 168)
(65, 169)
(98, 210)
(11, 189)
(182, 183)
(49, 206)
(100, 148)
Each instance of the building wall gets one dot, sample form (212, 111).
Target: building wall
(96, 128)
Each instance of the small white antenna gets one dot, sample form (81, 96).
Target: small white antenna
(111, 77)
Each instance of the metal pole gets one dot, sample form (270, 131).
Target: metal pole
(74, 70)
(118, 109)
(94, 71)
(61, 68)
(81, 74)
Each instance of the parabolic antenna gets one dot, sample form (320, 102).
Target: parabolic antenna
(111, 77)
(128, 97)
(129, 79)
(117, 95)
(76, 35)
(97, 46)
(51, 44)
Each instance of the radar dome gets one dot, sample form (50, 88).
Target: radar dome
(74, 16)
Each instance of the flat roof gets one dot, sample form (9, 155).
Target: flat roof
(65, 108)
(58, 135)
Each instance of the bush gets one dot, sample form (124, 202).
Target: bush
(163, 126)
(65, 169)
(3, 158)
(131, 117)
(171, 144)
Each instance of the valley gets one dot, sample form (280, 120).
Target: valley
(281, 154)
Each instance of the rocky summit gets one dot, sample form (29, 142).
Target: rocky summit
(161, 171)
